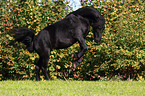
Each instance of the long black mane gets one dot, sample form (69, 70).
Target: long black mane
(90, 13)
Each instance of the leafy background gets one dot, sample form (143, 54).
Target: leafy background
(119, 56)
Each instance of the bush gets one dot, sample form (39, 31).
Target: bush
(15, 61)
(119, 55)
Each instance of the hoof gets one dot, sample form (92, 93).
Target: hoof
(47, 79)
(74, 56)
(76, 64)
(37, 79)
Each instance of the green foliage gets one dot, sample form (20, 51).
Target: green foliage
(15, 61)
(119, 55)
(122, 50)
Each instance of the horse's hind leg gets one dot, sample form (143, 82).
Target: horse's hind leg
(45, 60)
(37, 67)
(42, 63)
(44, 69)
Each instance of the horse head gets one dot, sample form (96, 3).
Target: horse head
(98, 28)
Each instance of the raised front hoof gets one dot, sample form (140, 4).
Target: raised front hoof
(74, 56)
(76, 64)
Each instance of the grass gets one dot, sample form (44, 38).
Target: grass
(72, 88)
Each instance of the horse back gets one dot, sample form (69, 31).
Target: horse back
(62, 33)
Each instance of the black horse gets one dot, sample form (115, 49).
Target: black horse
(62, 34)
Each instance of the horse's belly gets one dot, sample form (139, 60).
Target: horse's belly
(64, 43)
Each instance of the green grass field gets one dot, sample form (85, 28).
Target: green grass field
(72, 88)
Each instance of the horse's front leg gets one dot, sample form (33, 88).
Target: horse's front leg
(78, 62)
(79, 56)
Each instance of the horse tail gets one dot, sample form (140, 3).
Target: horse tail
(26, 36)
